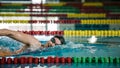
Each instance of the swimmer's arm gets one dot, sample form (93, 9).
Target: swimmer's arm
(21, 49)
(6, 53)
(9, 53)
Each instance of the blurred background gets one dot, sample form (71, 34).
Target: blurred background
(74, 19)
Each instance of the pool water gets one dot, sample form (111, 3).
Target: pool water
(72, 65)
(71, 49)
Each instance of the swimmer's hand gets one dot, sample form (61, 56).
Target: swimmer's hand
(21, 49)
(6, 53)
(18, 51)
(49, 44)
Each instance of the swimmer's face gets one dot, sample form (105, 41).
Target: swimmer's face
(53, 42)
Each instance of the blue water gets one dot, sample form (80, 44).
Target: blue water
(71, 49)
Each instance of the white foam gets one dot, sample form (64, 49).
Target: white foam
(93, 39)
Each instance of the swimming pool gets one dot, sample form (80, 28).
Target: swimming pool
(71, 49)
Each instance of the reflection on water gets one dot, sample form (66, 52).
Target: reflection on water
(62, 65)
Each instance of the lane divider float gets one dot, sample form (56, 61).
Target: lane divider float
(49, 59)
(89, 21)
(105, 33)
